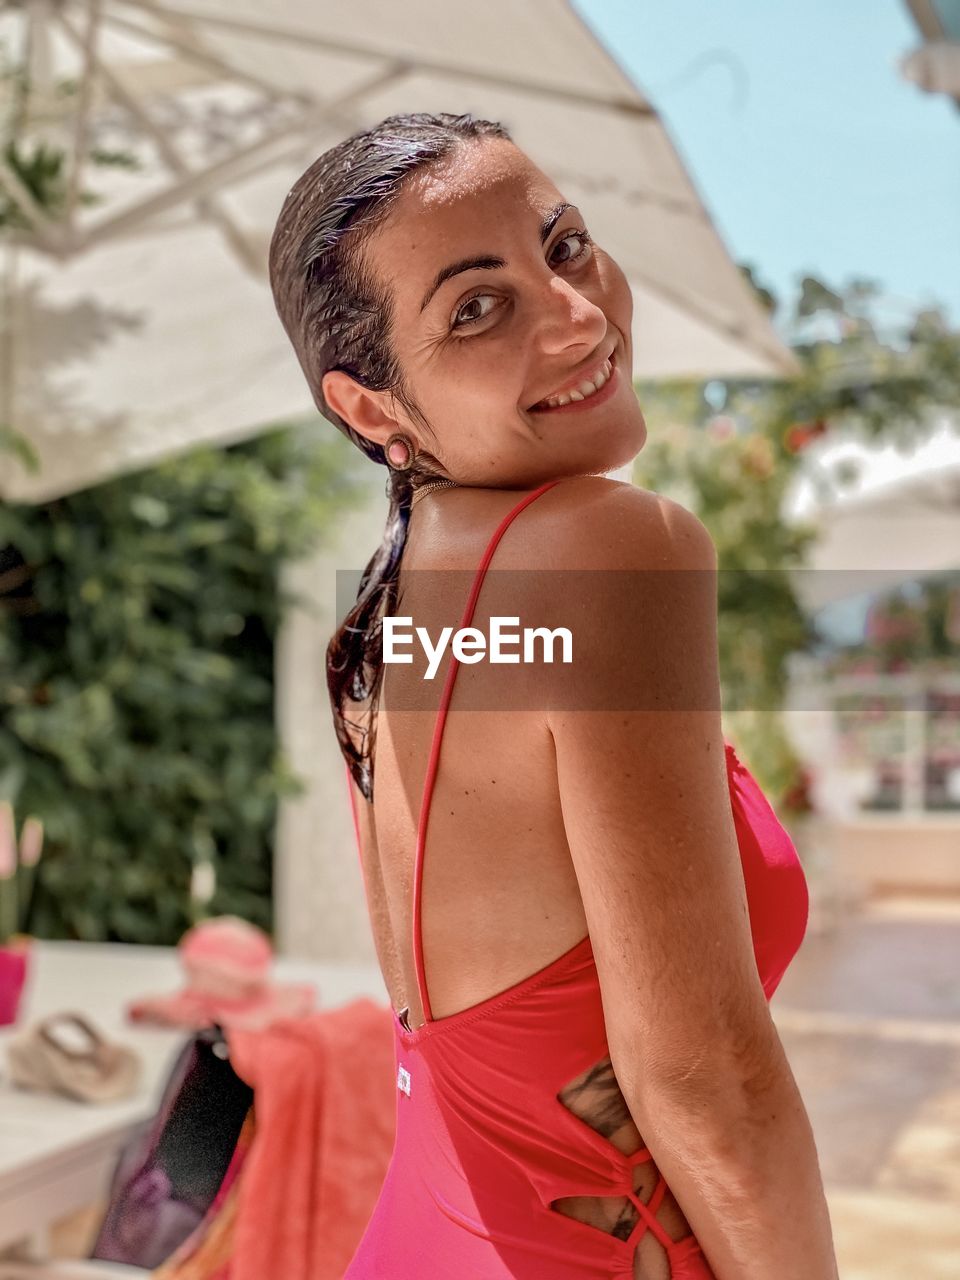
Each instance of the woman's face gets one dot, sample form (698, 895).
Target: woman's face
(499, 301)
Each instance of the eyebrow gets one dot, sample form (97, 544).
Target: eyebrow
(487, 263)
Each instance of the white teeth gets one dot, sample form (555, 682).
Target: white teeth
(583, 391)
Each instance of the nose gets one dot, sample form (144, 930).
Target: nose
(568, 322)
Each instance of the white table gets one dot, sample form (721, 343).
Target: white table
(56, 1155)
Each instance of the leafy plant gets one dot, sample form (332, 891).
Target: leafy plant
(730, 449)
(136, 679)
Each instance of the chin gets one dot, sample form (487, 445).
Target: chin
(641, 436)
(622, 451)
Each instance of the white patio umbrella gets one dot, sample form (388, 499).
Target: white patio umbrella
(898, 523)
(141, 324)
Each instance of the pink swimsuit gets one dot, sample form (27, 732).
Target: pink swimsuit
(483, 1143)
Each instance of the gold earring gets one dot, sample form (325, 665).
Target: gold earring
(399, 441)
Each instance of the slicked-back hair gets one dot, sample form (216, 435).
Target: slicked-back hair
(338, 315)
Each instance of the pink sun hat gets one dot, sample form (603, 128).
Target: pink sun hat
(227, 962)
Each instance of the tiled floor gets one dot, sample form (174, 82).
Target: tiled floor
(870, 1018)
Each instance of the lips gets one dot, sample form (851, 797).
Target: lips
(540, 406)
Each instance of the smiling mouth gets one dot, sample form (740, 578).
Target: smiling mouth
(585, 390)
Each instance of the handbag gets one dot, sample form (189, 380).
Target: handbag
(168, 1176)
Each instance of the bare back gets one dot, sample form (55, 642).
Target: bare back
(500, 896)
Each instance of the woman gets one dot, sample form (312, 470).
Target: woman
(589, 1083)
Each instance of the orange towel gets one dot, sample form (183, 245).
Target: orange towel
(325, 1119)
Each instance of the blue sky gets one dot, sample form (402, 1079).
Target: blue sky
(811, 151)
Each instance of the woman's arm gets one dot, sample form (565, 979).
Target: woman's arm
(646, 807)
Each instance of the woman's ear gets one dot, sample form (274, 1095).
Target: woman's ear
(362, 409)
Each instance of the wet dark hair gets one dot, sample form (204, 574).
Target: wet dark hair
(338, 316)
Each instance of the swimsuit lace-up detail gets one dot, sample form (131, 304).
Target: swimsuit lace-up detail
(494, 1152)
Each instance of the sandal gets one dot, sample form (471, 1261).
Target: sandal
(101, 1071)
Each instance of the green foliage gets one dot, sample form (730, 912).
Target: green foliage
(733, 482)
(16, 444)
(136, 679)
(730, 450)
(41, 171)
(909, 629)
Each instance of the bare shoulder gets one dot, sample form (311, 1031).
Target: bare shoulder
(593, 522)
(631, 576)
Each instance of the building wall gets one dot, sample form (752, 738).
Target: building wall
(884, 853)
(319, 901)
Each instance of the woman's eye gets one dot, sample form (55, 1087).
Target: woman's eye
(583, 236)
(461, 320)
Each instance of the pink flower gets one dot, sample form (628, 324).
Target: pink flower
(8, 842)
(31, 842)
(721, 427)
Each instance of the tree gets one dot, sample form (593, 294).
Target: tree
(137, 626)
(729, 450)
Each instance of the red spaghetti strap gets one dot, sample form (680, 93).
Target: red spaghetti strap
(441, 720)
